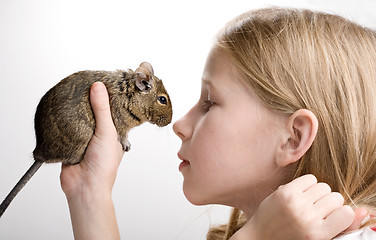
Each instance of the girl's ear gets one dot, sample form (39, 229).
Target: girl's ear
(301, 131)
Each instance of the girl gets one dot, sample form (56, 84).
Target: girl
(285, 93)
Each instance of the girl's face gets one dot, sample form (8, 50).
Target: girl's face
(229, 141)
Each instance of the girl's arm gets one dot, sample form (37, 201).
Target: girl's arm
(301, 209)
(88, 185)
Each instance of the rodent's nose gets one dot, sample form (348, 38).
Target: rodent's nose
(163, 121)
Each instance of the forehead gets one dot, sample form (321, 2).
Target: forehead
(220, 71)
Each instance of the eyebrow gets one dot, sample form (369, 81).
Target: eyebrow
(212, 89)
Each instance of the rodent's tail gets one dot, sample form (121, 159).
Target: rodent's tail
(25, 178)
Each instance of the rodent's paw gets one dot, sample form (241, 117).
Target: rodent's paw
(126, 144)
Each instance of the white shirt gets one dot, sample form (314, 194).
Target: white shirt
(361, 234)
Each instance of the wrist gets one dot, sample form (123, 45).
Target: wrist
(93, 215)
(77, 187)
(87, 195)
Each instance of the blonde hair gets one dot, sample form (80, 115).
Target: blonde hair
(300, 59)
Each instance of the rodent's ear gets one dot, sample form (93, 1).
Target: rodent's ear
(144, 72)
(143, 82)
(146, 68)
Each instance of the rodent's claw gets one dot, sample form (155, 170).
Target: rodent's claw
(126, 145)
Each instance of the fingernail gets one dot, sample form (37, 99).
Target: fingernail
(97, 87)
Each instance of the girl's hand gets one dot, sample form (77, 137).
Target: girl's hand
(301, 209)
(97, 171)
(88, 185)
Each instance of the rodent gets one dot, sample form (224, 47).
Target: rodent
(64, 120)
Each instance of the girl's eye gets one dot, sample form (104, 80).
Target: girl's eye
(207, 104)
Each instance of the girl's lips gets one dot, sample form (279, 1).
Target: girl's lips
(184, 162)
(181, 157)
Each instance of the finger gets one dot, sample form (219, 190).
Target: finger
(301, 184)
(360, 215)
(338, 220)
(100, 103)
(328, 204)
(317, 191)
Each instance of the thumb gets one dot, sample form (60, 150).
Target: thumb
(360, 215)
(101, 106)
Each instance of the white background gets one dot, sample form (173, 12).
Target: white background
(41, 42)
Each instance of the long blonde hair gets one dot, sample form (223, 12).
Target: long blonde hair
(296, 59)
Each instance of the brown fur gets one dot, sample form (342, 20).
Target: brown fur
(64, 120)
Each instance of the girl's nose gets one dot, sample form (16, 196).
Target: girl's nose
(183, 128)
(178, 129)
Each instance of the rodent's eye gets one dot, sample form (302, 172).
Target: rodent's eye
(162, 100)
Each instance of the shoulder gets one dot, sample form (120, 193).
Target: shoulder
(362, 234)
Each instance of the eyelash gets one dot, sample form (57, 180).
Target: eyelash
(207, 104)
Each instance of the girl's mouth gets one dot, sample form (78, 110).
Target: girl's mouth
(184, 162)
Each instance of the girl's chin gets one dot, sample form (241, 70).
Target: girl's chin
(194, 198)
